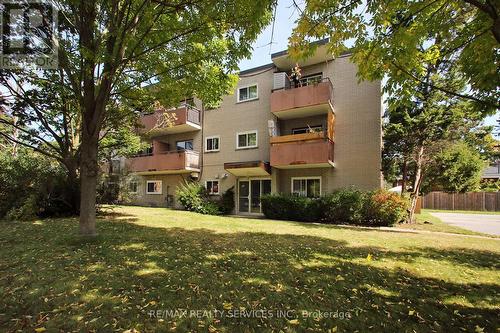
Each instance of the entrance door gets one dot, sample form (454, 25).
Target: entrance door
(244, 196)
(249, 193)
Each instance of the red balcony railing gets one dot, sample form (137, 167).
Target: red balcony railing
(168, 162)
(307, 150)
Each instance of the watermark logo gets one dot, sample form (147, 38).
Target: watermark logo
(28, 34)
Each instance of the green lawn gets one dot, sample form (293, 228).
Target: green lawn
(154, 259)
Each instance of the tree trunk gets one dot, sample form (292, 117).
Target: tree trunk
(89, 171)
(416, 186)
(72, 184)
(405, 174)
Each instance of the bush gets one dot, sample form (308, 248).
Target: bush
(385, 209)
(343, 207)
(226, 204)
(194, 198)
(290, 207)
(34, 186)
(347, 206)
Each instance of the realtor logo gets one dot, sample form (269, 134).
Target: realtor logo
(28, 34)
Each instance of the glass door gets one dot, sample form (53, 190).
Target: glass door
(250, 192)
(244, 196)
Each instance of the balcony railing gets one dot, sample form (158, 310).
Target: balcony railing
(307, 100)
(178, 161)
(301, 150)
(185, 118)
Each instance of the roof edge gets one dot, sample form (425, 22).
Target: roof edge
(255, 69)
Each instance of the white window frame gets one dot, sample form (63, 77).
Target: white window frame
(206, 143)
(218, 186)
(154, 181)
(136, 187)
(247, 132)
(238, 100)
(306, 178)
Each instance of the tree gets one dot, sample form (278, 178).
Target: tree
(457, 168)
(109, 50)
(420, 122)
(397, 39)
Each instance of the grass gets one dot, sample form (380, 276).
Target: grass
(153, 259)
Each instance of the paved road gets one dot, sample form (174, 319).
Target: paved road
(487, 224)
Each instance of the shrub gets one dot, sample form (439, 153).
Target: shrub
(226, 203)
(194, 197)
(290, 207)
(344, 206)
(385, 208)
(34, 186)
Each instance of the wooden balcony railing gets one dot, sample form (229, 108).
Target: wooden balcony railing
(302, 150)
(182, 119)
(308, 100)
(167, 162)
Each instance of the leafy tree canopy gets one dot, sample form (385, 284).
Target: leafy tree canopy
(399, 38)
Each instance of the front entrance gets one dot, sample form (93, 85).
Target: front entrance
(249, 193)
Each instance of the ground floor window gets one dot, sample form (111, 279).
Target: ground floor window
(306, 187)
(133, 186)
(154, 187)
(212, 186)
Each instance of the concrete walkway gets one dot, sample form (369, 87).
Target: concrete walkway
(486, 224)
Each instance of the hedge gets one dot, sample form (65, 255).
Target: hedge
(347, 206)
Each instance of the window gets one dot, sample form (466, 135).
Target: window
(311, 79)
(212, 143)
(246, 140)
(153, 187)
(132, 187)
(247, 93)
(184, 145)
(307, 187)
(212, 186)
(308, 129)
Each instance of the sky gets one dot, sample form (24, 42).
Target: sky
(262, 49)
(286, 16)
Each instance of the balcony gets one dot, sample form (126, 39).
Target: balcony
(309, 100)
(308, 150)
(170, 162)
(180, 120)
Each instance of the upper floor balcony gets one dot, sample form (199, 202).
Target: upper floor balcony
(183, 119)
(168, 162)
(310, 98)
(307, 150)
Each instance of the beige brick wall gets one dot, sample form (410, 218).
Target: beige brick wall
(232, 117)
(358, 138)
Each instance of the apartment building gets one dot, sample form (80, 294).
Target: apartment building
(270, 135)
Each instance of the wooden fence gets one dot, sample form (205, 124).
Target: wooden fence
(479, 201)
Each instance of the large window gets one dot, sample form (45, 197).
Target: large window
(247, 93)
(154, 187)
(184, 145)
(311, 79)
(306, 187)
(212, 186)
(246, 140)
(212, 143)
(308, 129)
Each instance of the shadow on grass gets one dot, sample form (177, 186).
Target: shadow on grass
(54, 280)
